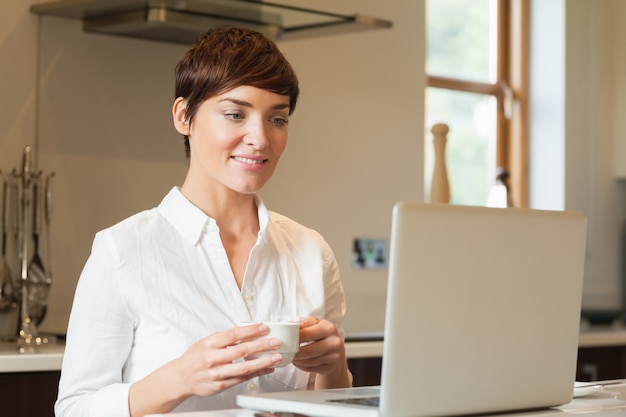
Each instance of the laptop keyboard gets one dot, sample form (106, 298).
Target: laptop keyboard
(366, 401)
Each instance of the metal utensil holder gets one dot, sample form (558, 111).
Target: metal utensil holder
(24, 280)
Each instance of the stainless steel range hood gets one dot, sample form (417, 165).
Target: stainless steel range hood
(181, 21)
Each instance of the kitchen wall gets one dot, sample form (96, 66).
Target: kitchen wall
(18, 75)
(104, 127)
(100, 120)
(578, 80)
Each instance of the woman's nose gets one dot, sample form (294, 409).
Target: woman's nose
(257, 135)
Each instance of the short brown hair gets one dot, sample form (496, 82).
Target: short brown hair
(226, 58)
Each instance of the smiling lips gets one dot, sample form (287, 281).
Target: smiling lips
(249, 160)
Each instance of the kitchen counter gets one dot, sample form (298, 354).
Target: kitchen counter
(367, 349)
(48, 358)
(364, 345)
(594, 336)
(50, 355)
(602, 336)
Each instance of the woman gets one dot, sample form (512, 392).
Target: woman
(154, 326)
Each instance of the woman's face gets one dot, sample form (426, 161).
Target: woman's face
(236, 138)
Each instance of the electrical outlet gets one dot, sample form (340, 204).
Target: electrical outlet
(369, 253)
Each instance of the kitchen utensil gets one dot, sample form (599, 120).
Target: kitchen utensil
(28, 334)
(48, 220)
(37, 275)
(6, 278)
(48, 198)
(15, 216)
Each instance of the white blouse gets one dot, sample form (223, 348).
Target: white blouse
(160, 280)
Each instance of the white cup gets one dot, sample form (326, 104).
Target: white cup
(289, 335)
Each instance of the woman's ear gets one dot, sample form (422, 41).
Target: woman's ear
(179, 112)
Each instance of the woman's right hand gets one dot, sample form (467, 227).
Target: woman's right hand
(208, 367)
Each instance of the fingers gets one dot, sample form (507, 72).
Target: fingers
(219, 378)
(312, 329)
(315, 358)
(321, 346)
(214, 363)
(237, 343)
(239, 334)
(221, 375)
(308, 322)
(244, 370)
(330, 348)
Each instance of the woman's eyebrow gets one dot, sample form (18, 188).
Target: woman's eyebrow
(247, 104)
(236, 101)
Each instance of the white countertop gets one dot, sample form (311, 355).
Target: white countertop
(48, 358)
(368, 349)
(599, 336)
(602, 336)
(592, 337)
(50, 355)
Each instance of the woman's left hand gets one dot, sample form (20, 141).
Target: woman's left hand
(321, 349)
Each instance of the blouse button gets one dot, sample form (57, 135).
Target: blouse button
(252, 386)
(248, 297)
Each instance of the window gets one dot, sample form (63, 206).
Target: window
(476, 58)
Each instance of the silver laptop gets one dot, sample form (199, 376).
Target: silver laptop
(482, 316)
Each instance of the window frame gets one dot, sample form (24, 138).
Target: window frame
(511, 92)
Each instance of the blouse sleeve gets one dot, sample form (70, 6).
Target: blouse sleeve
(99, 339)
(335, 299)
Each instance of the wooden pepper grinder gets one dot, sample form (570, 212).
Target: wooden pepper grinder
(440, 186)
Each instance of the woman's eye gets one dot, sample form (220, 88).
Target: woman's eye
(234, 116)
(280, 121)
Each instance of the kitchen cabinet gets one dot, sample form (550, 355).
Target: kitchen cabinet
(594, 364)
(365, 371)
(364, 353)
(601, 354)
(34, 393)
(601, 363)
(29, 381)
(29, 394)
